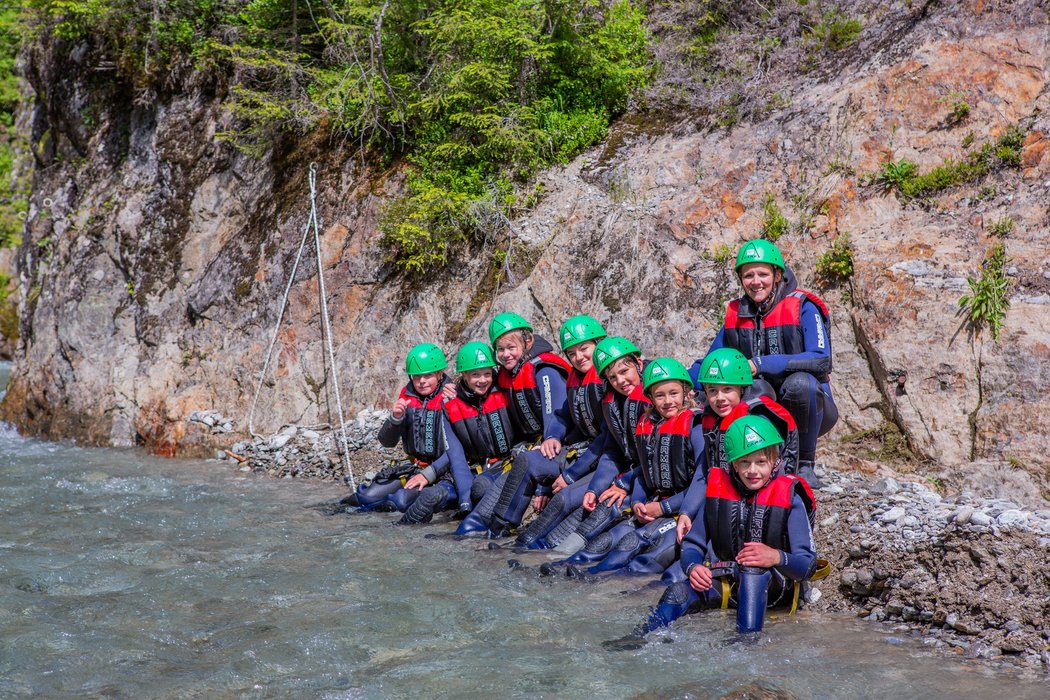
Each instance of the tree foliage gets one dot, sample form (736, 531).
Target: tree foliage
(477, 94)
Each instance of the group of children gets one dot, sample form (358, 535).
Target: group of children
(702, 475)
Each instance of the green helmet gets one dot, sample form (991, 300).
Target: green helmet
(579, 329)
(474, 355)
(425, 358)
(749, 434)
(505, 323)
(664, 369)
(759, 251)
(610, 350)
(725, 366)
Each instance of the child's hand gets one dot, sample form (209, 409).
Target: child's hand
(448, 392)
(540, 502)
(613, 496)
(647, 512)
(418, 481)
(685, 524)
(700, 578)
(589, 501)
(558, 484)
(400, 406)
(550, 448)
(758, 554)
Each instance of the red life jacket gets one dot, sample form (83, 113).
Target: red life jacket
(585, 392)
(482, 424)
(622, 415)
(731, 521)
(421, 435)
(715, 431)
(777, 332)
(669, 462)
(524, 398)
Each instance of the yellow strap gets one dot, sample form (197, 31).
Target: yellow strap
(797, 586)
(725, 592)
(404, 480)
(507, 464)
(823, 569)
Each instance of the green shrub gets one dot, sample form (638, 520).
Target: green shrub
(835, 31)
(1001, 228)
(836, 263)
(13, 186)
(1004, 152)
(774, 223)
(986, 304)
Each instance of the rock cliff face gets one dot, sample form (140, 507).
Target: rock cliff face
(156, 256)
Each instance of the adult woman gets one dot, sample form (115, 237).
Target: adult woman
(783, 331)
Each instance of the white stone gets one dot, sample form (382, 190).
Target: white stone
(980, 519)
(278, 441)
(1012, 518)
(892, 515)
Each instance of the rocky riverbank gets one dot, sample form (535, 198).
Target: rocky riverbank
(967, 571)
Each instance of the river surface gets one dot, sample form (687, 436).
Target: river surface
(124, 575)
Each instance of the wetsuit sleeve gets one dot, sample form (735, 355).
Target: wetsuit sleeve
(694, 369)
(800, 559)
(698, 486)
(610, 464)
(390, 432)
(585, 463)
(695, 545)
(552, 392)
(436, 469)
(462, 477)
(815, 359)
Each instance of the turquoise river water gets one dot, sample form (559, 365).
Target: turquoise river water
(124, 575)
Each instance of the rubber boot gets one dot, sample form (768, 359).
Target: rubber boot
(752, 593)
(806, 471)
(472, 524)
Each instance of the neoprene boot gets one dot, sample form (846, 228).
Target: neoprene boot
(752, 592)
(472, 524)
(806, 471)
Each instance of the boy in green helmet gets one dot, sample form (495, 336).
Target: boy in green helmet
(753, 542)
(725, 377)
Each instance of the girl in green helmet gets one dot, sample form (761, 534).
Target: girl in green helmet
(416, 421)
(479, 435)
(532, 378)
(672, 458)
(535, 473)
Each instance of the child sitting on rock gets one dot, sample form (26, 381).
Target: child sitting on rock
(416, 421)
(619, 362)
(479, 439)
(725, 377)
(536, 473)
(532, 378)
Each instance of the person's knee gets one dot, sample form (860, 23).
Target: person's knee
(799, 387)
